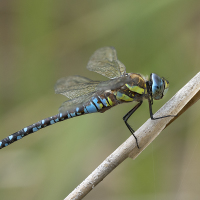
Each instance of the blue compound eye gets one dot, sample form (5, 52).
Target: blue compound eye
(158, 86)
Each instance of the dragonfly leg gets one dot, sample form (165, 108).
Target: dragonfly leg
(150, 100)
(151, 112)
(126, 117)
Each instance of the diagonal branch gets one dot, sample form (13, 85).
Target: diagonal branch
(179, 103)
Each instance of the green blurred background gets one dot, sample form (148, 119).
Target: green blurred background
(42, 41)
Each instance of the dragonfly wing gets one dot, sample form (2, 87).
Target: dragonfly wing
(71, 104)
(113, 84)
(104, 61)
(69, 81)
(75, 86)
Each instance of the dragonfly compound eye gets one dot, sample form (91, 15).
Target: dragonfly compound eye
(158, 86)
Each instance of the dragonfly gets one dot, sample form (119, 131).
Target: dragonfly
(89, 96)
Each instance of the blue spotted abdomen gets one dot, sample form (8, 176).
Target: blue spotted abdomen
(99, 103)
(96, 104)
(31, 129)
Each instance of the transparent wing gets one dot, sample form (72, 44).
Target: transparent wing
(71, 104)
(104, 61)
(75, 86)
(113, 84)
(84, 95)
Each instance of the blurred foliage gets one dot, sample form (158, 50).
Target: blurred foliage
(42, 41)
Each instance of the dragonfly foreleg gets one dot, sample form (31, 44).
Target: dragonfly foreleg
(151, 112)
(126, 117)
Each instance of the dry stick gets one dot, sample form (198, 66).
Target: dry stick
(181, 101)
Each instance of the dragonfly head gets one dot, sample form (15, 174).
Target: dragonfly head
(159, 86)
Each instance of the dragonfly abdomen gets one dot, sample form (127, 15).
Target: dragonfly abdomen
(31, 129)
(96, 104)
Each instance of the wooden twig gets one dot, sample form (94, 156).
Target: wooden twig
(180, 102)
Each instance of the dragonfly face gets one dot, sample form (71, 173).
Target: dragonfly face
(159, 86)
